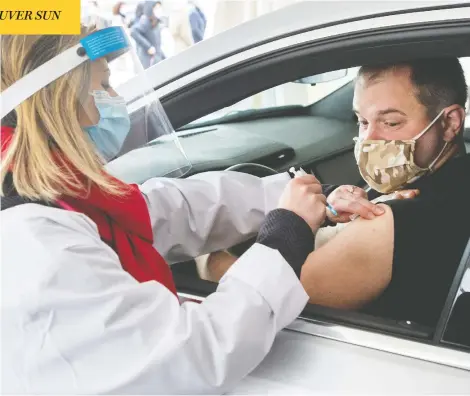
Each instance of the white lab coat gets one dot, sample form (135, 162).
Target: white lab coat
(73, 321)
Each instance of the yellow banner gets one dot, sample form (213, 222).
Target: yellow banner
(39, 16)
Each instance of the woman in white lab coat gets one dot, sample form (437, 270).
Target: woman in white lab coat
(88, 301)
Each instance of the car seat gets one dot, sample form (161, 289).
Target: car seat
(466, 137)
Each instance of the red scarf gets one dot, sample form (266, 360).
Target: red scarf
(124, 224)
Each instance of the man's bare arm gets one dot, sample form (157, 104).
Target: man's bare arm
(354, 267)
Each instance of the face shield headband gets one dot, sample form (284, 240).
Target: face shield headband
(121, 133)
(107, 42)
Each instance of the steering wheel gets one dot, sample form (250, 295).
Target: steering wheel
(253, 169)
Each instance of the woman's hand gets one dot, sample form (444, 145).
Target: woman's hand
(351, 201)
(303, 196)
(152, 51)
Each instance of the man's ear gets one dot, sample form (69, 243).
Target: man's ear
(453, 122)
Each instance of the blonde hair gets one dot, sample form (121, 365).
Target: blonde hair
(49, 147)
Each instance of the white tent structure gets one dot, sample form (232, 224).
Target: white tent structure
(225, 14)
(221, 14)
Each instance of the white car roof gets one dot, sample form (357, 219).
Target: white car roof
(306, 15)
(301, 16)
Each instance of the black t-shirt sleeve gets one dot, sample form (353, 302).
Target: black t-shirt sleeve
(424, 261)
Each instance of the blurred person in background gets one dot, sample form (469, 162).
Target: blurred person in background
(119, 19)
(93, 14)
(139, 11)
(167, 39)
(147, 34)
(198, 21)
(159, 12)
(124, 67)
(179, 25)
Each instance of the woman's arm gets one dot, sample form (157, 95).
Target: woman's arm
(210, 211)
(93, 329)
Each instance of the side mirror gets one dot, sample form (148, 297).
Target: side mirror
(324, 77)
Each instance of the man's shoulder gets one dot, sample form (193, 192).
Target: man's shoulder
(425, 217)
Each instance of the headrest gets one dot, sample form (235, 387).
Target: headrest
(466, 134)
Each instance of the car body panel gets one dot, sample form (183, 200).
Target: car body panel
(300, 363)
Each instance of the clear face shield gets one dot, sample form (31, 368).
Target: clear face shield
(117, 107)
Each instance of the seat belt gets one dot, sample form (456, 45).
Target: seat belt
(12, 201)
(12, 198)
(15, 200)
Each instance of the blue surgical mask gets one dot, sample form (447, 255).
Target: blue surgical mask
(114, 124)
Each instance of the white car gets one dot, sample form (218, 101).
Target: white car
(245, 98)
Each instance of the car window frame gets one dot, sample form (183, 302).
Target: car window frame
(459, 286)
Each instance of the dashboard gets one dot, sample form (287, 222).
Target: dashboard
(323, 145)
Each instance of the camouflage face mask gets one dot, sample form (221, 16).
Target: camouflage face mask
(387, 165)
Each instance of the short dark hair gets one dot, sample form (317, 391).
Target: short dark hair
(439, 82)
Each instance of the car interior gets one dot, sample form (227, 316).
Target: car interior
(323, 127)
(317, 137)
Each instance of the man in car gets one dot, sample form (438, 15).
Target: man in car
(401, 263)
